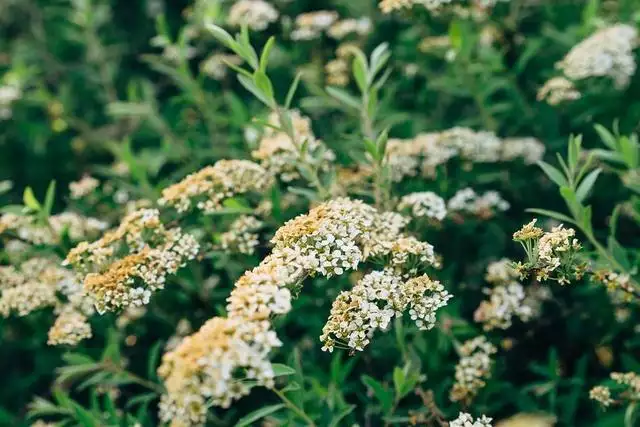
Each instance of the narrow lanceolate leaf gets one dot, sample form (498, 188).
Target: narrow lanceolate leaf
(29, 199)
(279, 370)
(292, 91)
(222, 36)
(343, 97)
(264, 57)
(607, 137)
(554, 174)
(587, 184)
(258, 414)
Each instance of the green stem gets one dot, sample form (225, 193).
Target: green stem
(297, 410)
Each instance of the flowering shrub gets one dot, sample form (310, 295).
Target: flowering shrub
(251, 212)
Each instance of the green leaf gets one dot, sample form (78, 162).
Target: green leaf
(554, 174)
(619, 253)
(360, 74)
(574, 153)
(343, 97)
(222, 36)
(258, 414)
(29, 200)
(384, 396)
(371, 148)
(335, 421)
(280, 369)
(263, 83)
(49, 198)
(292, 91)
(552, 214)
(251, 87)
(606, 136)
(266, 50)
(587, 184)
(398, 381)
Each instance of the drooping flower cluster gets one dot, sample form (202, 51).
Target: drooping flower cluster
(424, 204)
(242, 235)
(626, 389)
(280, 155)
(551, 255)
(608, 52)
(256, 14)
(467, 201)
(473, 369)
(211, 367)
(425, 152)
(32, 230)
(508, 299)
(207, 189)
(311, 25)
(466, 420)
(371, 304)
(124, 266)
(331, 239)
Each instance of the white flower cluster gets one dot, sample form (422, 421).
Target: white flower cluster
(337, 71)
(309, 26)
(372, 303)
(345, 27)
(211, 366)
(70, 328)
(426, 204)
(29, 229)
(608, 52)
(508, 299)
(152, 252)
(473, 369)
(279, 155)
(628, 389)
(426, 151)
(208, 188)
(256, 14)
(241, 236)
(331, 239)
(529, 149)
(82, 188)
(483, 206)
(558, 90)
(555, 248)
(466, 420)
(40, 283)
(388, 6)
